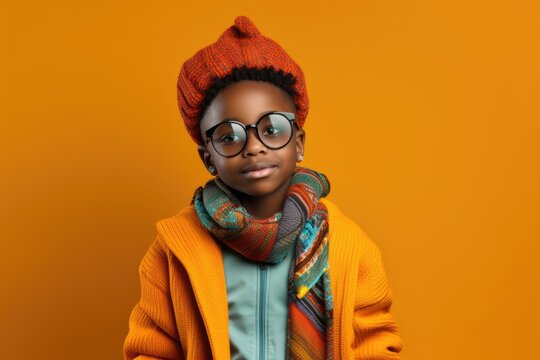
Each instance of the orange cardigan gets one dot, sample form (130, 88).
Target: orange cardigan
(183, 311)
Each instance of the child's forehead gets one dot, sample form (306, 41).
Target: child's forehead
(251, 88)
(248, 102)
(251, 95)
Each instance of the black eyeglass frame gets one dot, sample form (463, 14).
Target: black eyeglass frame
(289, 115)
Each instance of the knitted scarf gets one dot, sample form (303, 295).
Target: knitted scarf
(303, 222)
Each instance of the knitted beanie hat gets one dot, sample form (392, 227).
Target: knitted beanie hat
(241, 44)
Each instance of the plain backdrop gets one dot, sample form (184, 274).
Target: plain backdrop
(424, 115)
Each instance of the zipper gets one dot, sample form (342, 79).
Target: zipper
(263, 275)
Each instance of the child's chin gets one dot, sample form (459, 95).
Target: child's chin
(257, 191)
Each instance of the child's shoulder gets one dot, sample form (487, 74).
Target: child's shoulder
(184, 217)
(182, 226)
(343, 230)
(338, 219)
(184, 234)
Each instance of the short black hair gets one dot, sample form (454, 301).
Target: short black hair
(280, 78)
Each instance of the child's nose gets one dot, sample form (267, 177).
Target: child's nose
(253, 145)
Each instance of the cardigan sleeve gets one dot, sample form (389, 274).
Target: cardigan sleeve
(152, 329)
(376, 332)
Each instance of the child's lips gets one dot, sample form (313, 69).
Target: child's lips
(259, 173)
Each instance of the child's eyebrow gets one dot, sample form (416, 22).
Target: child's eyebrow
(259, 116)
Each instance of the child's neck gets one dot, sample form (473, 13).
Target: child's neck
(261, 207)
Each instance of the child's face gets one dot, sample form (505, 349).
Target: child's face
(246, 101)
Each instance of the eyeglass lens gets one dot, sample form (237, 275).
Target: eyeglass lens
(274, 131)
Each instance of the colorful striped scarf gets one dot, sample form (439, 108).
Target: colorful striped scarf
(304, 222)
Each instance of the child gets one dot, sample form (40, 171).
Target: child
(260, 265)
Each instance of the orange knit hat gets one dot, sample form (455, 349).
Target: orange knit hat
(241, 44)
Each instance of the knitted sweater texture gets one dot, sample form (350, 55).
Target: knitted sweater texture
(183, 313)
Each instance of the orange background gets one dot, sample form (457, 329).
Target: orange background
(424, 114)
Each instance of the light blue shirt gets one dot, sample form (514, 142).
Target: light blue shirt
(257, 299)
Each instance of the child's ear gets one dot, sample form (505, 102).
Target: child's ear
(206, 159)
(300, 140)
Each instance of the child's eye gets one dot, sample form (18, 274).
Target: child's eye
(229, 138)
(272, 131)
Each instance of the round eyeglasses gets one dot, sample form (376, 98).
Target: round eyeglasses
(274, 130)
